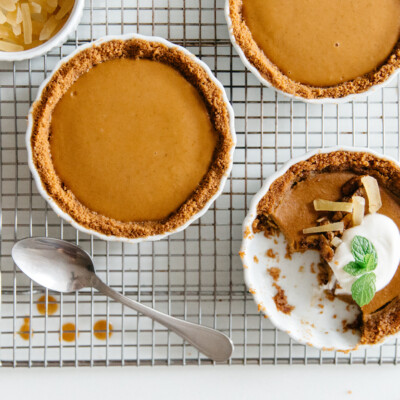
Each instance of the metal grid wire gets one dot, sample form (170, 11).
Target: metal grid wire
(196, 274)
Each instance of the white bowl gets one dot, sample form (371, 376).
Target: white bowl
(59, 38)
(67, 217)
(311, 322)
(265, 82)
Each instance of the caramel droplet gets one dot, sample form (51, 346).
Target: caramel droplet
(69, 332)
(24, 331)
(100, 329)
(52, 305)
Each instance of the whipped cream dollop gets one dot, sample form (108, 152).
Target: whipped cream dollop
(383, 233)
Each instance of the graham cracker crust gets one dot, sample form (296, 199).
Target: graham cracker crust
(375, 326)
(384, 322)
(272, 74)
(62, 80)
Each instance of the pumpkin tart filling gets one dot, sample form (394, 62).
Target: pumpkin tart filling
(131, 138)
(340, 178)
(319, 48)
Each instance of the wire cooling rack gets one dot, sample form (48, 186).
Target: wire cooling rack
(197, 274)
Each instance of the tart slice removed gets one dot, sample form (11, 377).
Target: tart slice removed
(346, 205)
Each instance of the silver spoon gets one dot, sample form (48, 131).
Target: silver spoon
(64, 267)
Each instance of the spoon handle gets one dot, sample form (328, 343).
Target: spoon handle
(210, 342)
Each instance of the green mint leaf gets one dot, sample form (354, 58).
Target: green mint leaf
(355, 268)
(370, 262)
(363, 289)
(360, 247)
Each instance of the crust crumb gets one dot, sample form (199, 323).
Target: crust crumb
(312, 268)
(329, 295)
(288, 254)
(353, 326)
(260, 307)
(281, 302)
(270, 253)
(324, 273)
(274, 272)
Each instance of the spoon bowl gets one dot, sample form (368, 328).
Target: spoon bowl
(55, 264)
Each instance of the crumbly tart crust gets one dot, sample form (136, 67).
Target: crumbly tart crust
(272, 74)
(376, 326)
(384, 322)
(62, 80)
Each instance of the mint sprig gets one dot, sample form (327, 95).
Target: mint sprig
(366, 260)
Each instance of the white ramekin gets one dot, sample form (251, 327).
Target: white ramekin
(67, 217)
(301, 324)
(59, 38)
(265, 82)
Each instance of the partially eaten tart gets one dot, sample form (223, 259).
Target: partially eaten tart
(131, 138)
(318, 49)
(346, 205)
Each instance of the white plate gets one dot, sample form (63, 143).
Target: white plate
(315, 320)
(67, 217)
(265, 82)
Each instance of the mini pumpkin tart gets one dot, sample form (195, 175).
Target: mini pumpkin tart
(317, 49)
(345, 205)
(131, 138)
